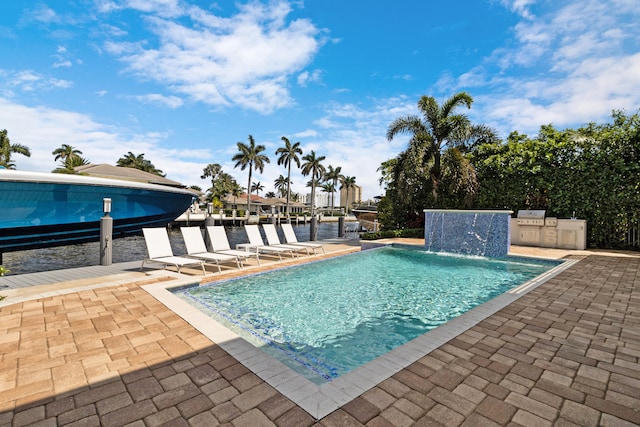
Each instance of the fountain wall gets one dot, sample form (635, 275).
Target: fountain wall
(468, 232)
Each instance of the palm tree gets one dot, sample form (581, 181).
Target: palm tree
(69, 158)
(347, 183)
(334, 176)
(438, 129)
(235, 190)
(222, 183)
(289, 154)
(212, 170)
(328, 187)
(313, 166)
(257, 187)
(249, 156)
(225, 185)
(131, 160)
(270, 195)
(7, 148)
(65, 151)
(69, 165)
(281, 185)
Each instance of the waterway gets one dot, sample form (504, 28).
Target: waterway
(125, 249)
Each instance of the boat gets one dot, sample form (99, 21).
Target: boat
(367, 216)
(48, 209)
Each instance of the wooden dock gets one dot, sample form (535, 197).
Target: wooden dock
(47, 277)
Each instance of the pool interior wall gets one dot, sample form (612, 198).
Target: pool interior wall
(320, 400)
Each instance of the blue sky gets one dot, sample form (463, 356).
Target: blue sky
(182, 81)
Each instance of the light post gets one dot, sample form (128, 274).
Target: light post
(209, 220)
(106, 233)
(341, 223)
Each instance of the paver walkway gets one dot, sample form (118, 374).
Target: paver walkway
(567, 353)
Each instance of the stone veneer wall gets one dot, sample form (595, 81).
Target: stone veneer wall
(467, 232)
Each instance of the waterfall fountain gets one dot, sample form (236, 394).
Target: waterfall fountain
(468, 232)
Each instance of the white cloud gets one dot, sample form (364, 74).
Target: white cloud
(306, 133)
(44, 129)
(168, 8)
(29, 81)
(60, 56)
(244, 60)
(567, 66)
(62, 63)
(306, 77)
(354, 138)
(42, 13)
(521, 7)
(166, 101)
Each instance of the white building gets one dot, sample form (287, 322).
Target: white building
(322, 199)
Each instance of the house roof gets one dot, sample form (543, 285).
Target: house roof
(117, 172)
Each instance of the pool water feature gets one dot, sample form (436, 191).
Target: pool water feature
(468, 232)
(325, 319)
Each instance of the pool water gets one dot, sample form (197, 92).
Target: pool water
(326, 318)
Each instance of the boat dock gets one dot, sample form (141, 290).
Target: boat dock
(200, 218)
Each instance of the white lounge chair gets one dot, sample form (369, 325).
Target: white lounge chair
(196, 248)
(256, 243)
(290, 237)
(220, 244)
(274, 240)
(159, 250)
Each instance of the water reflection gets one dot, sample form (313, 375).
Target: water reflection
(125, 249)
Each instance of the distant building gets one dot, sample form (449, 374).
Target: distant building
(322, 199)
(350, 196)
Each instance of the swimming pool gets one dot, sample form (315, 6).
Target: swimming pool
(321, 399)
(324, 319)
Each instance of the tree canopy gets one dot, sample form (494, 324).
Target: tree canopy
(592, 171)
(69, 157)
(7, 149)
(138, 161)
(313, 166)
(288, 155)
(433, 170)
(250, 156)
(222, 184)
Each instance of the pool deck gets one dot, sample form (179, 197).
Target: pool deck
(99, 350)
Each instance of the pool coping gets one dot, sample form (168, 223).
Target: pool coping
(321, 400)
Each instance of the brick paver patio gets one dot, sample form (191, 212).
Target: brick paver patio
(564, 354)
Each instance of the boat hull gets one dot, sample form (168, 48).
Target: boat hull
(42, 210)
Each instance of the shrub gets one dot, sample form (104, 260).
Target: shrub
(389, 234)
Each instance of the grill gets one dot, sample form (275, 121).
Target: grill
(531, 227)
(531, 217)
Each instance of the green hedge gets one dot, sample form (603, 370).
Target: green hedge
(389, 234)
